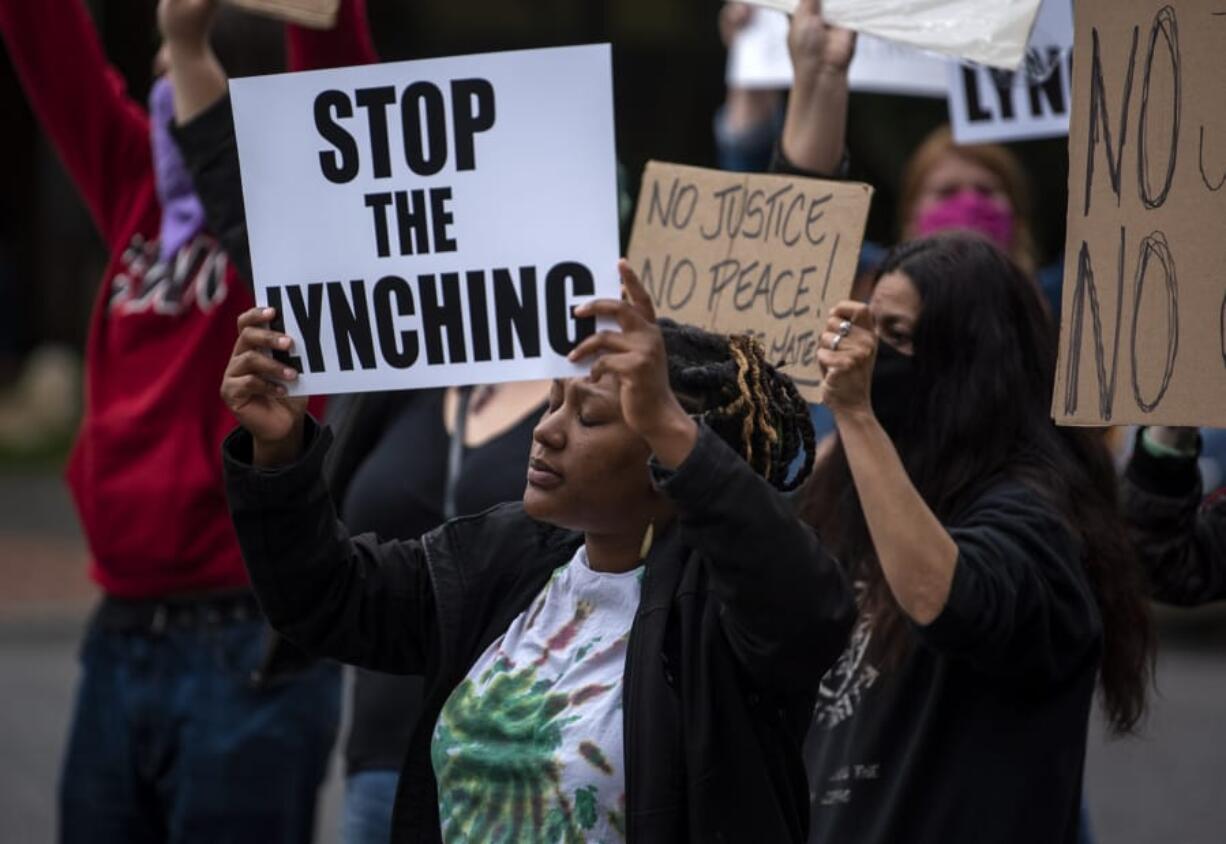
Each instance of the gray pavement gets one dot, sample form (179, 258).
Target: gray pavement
(1165, 787)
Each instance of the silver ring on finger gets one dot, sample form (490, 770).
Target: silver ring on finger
(844, 328)
(834, 344)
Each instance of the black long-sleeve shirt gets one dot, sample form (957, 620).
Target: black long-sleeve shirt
(741, 612)
(978, 732)
(1182, 540)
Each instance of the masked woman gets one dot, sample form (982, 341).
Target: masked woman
(631, 652)
(994, 579)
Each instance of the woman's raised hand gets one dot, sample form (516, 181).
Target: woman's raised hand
(817, 47)
(251, 389)
(636, 355)
(847, 351)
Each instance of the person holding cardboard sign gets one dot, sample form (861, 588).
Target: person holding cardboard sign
(633, 652)
(995, 581)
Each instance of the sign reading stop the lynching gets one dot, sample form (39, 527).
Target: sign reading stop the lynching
(432, 223)
(1143, 338)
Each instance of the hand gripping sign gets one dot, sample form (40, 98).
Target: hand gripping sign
(432, 223)
(744, 253)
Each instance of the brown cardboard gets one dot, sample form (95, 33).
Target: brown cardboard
(318, 14)
(737, 252)
(1143, 334)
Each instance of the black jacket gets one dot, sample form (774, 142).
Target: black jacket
(1182, 542)
(742, 612)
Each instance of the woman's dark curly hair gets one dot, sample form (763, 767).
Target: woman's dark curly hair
(753, 407)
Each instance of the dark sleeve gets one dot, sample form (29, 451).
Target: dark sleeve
(787, 607)
(1182, 545)
(353, 599)
(209, 148)
(1020, 605)
(782, 166)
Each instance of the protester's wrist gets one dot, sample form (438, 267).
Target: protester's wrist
(673, 439)
(858, 416)
(819, 82)
(188, 49)
(270, 454)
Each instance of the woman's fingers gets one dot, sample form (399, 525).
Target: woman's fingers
(621, 364)
(254, 362)
(627, 315)
(857, 313)
(244, 387)
(264, 338)
(256, 316)
(638, 295)
(601, 341)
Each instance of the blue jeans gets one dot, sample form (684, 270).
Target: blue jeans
(369, 796)
(170, 742)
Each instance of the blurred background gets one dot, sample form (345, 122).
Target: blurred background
(669, 77)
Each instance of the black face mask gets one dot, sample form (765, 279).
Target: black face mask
(893, 390)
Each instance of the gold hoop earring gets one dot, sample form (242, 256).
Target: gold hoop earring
(648, 538)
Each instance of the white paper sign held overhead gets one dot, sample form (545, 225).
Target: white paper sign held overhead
(992, 32)
(432, 223)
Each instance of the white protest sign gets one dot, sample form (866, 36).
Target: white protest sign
(432, 223)
(758, 55)
(992, 32)
(887, 67)
(758, 58)
(988, 105)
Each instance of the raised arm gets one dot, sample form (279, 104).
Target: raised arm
(101, 135)
(815, 127)
(352, 599)
(788, 607)
(1003, 588)
(205, 122)
(1182, 543)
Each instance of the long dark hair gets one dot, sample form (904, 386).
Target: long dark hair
(985, 362)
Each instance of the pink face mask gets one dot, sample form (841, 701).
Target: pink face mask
(969, 210)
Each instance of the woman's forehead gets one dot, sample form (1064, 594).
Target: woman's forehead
(895, 295)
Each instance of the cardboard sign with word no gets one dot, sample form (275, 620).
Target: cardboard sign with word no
(738, 252)
(1143, 338)
(318, 14)
(432, 223)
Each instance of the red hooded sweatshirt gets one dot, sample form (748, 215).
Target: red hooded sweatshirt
(145, 470)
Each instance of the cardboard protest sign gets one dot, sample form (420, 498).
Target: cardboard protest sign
(989, 105)
(735, 252)
(758, 58)
(432, 223)
(320, 14)
(1143, 338)
(992, 33)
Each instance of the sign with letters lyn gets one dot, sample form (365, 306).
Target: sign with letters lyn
(1143, 338)
(990, 105)
(736, 253)
(432, 223)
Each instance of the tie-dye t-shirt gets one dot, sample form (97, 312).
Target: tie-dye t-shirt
(529, 746)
